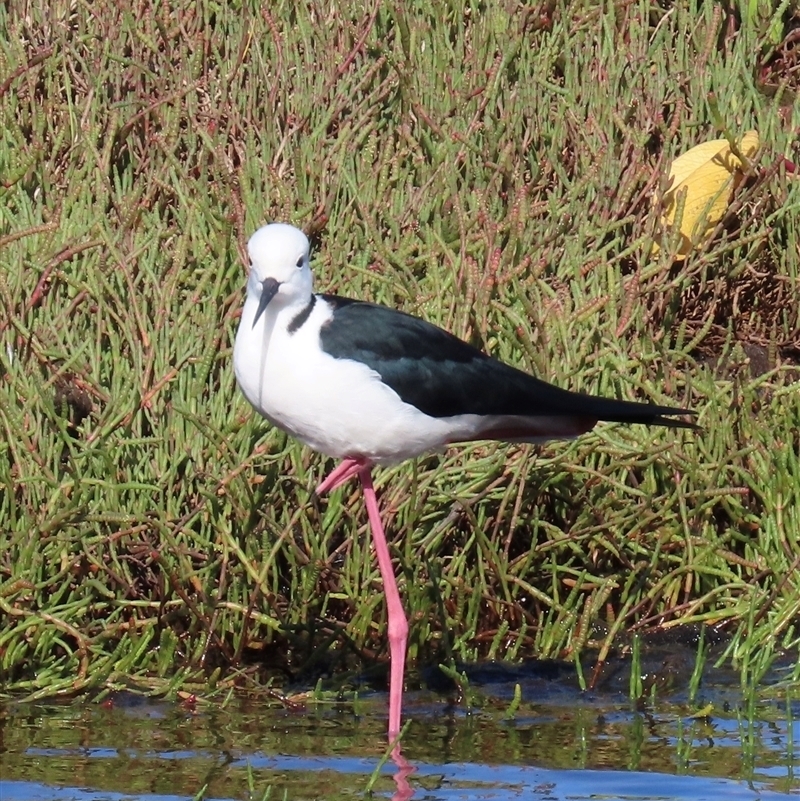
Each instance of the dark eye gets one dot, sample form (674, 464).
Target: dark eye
(300, 262)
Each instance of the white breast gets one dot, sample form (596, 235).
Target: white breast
(338, 407)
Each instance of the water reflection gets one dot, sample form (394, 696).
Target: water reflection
(571, 746)
(402, 778)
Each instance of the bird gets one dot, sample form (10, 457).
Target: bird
(370, 385)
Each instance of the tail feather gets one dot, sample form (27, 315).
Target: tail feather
(616, 411)
(569, 423)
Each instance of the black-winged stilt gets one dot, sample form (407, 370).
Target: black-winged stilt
(370, 385)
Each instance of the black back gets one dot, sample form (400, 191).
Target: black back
(443, 376)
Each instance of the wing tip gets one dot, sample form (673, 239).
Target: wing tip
(665, 418)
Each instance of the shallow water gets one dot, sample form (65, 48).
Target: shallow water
(562, 744)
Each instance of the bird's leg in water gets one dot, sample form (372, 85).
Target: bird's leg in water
(398, 625)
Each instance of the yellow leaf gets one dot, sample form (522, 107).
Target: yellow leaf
(702, 182)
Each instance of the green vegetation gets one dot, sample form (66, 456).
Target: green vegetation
(490, 168)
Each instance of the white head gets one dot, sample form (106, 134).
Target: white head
(279, 271)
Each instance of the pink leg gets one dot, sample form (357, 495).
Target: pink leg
(398, 625)
(343, 471)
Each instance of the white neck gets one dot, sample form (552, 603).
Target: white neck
(251, 347)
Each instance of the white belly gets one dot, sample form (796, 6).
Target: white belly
(338, 407)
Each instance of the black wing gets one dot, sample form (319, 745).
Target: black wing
(443, 376)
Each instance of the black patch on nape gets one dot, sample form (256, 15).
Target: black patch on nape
(298, 321)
